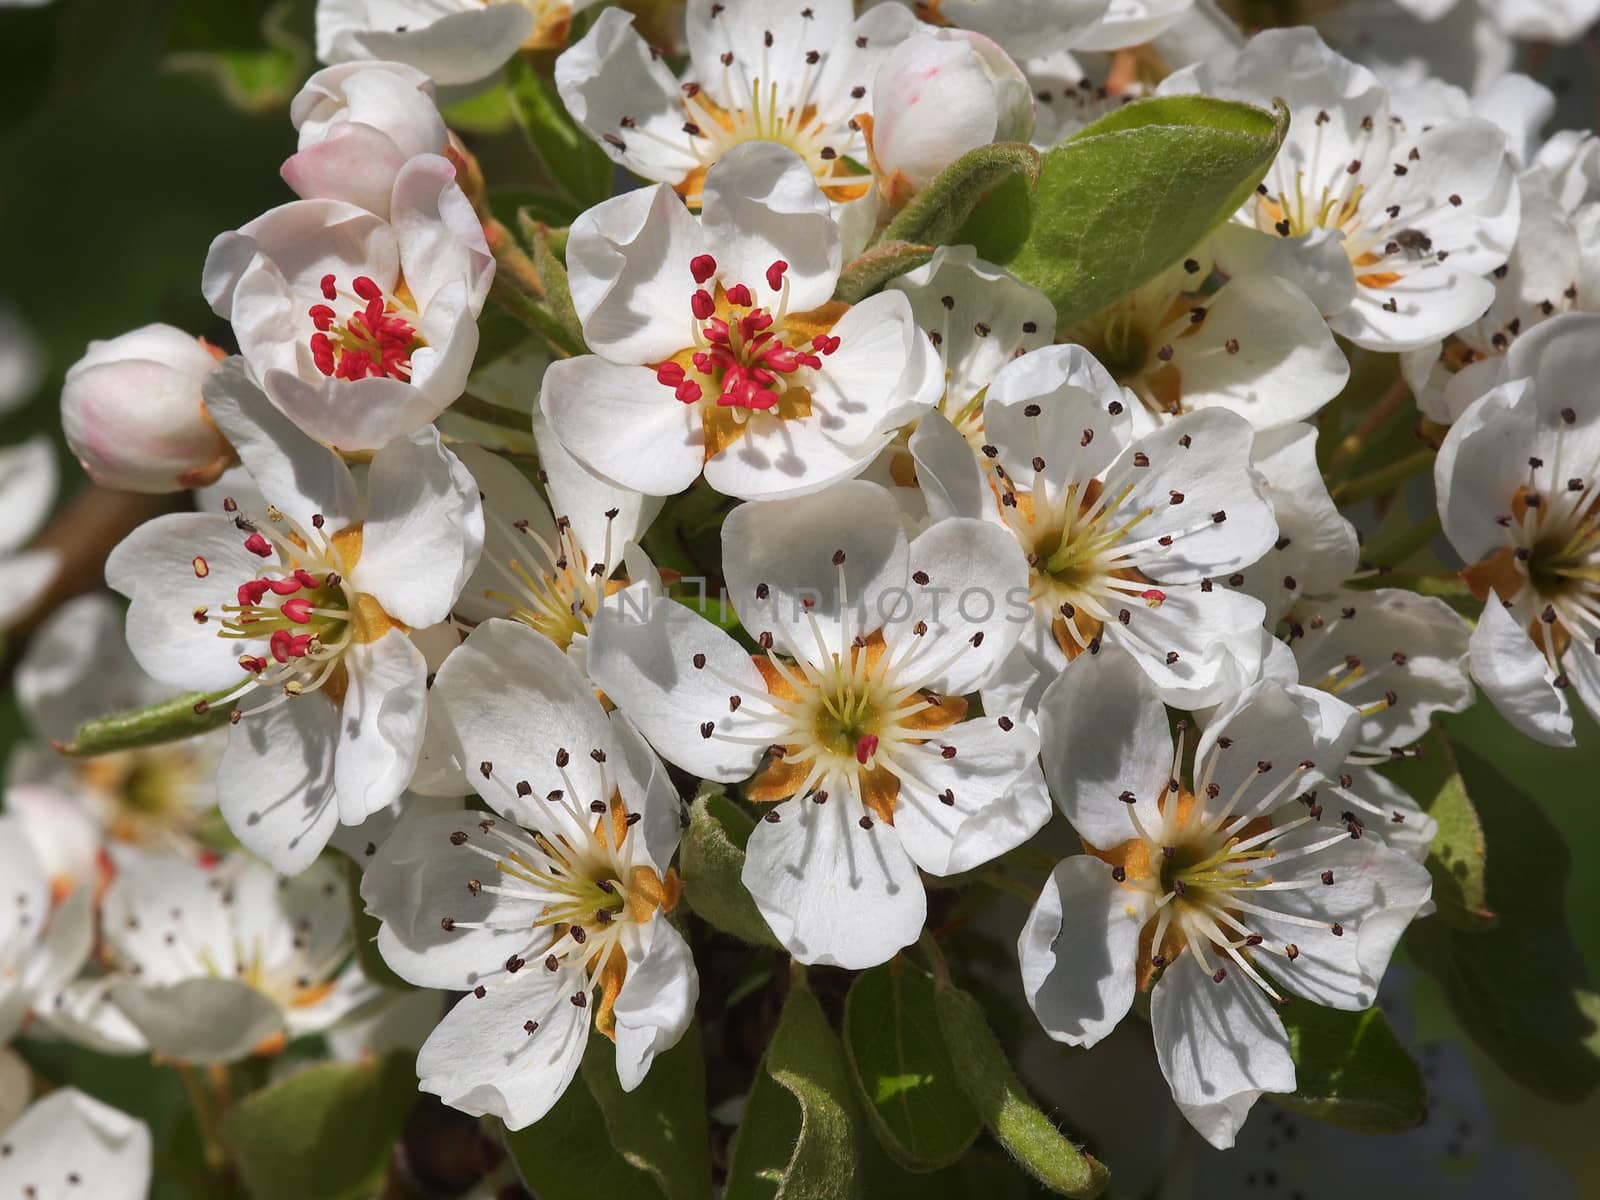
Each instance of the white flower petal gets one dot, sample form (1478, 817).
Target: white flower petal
(1516, 678)
(656, 1002)
(70, 1144)
(624, 425)
(1079, 950)
(275, 783)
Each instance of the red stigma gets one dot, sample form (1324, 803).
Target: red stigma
(742, 358)
(373, 342)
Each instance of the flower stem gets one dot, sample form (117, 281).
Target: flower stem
(1384, 479)
(1377, 417)
(206, 1115)
(479, 409)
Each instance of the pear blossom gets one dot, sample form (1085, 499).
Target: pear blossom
(298, 617)
(27, 493)
(361, 329)
(550, 568)
(794, 75)
(359, 123)
(1553, 268)
(564, 888)
(718, 346)
(132, 412)
(1389, 230)
(22, 361)
(1024, 26)
(937, 96)
(1123, 535)
(213, 964)
(978, 318)
(1251, 342)
(457, 43)
(44, 938)
(852, 724)
(68, 1145)
(1397, 657)
(1515, 479)
(80, 811)
(1211, 888)
(1528, 20)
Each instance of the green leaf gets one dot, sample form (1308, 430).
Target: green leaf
(169, 721)
(1456, 860)
(815, 1153)
(866, 274)
(908, 1085)
(553, 274)
(1520, 988)
(1350, 1069)
(659, 1127)
(1128, 196)
(562, 1157)
(1010, 1113)
(711, 858)
(324, 1133)
(483, 112)
(582, 168)
(364, 932)
(937, 213)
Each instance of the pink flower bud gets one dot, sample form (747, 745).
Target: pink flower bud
(132, 412)
(937, 96)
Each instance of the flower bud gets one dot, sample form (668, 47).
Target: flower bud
(359, 123)
(937, 96)
(133, 415)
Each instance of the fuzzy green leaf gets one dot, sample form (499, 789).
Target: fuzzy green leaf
(1351, 1070)
(1520, 987)
(1131, 194)
(169, 721)
(870, 271)
(659, 1127)
(582, 169)
(711, 858)
(544, 1151)
(909, 1088)
(1457, 859)
(803, 1135)
(937, 213)
(1010, 1113)
(324, 1133)
(553, 274)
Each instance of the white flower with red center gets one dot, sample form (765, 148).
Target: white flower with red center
(42, 943)
(132, 413)
(564, 890)
(86, 812)
(1193, 338)
(69, 1145)
(1123, 535)
(213, 964)
(1517, 477)
(1034, 26)
(27, 493)
(1212, 887)
(361, 329)
(852, 722)
(359, 123)
(718, 346)
(299, 617)
(936, 96)
(551, 569)
(1391, 231)
(455, 42)
(794, 75)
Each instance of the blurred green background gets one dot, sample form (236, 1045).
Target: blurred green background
(133, 132)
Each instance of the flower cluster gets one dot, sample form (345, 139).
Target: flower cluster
(802, 496)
